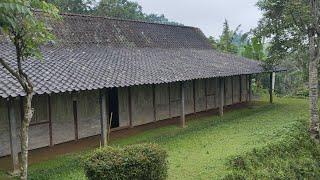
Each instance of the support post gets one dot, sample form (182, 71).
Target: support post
(103, 119)
(50, 121)
(154, 102)
(240, 79)
(250, 88)
(221, 92)
(183, 114)
(273, 81)
(271, 87)
(13, 137)
(75, 117)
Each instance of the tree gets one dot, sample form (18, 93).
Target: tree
(292, 27)
(253, 47)
(74, 6)
(226, 42)
(123, 9)
(159, 19)
(27, 31)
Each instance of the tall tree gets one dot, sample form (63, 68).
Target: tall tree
(126, 9)
(226, 42)
(293, 26)
(158, 19)
(120, 9)
(74, 6)
(27, 31)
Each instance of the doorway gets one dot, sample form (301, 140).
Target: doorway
(114, 107)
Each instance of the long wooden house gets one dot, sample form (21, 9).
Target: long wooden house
(140, 72)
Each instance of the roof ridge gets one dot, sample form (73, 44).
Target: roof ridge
(122, 19)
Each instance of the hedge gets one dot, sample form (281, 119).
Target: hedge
(142, 161)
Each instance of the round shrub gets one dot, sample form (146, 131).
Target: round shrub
(142, 161)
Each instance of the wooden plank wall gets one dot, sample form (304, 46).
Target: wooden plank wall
(88, 109)
(4, 129)
(142, 104)
(62, 118)
(124, 111)
(200, 95)
(236, 89)
(244, 86)
(188, 97)
(162, 101)
(175, 100)
(228, 90)
(212, 93)
(136, 107)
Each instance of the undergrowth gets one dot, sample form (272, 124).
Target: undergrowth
(293, 156)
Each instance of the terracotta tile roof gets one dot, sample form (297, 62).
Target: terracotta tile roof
(95, 52)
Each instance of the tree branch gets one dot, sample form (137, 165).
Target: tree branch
(14, 73)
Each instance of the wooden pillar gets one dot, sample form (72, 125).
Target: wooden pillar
(273, 81)
(182, 113)
(194, 96)
(13, 137)
(240, 79)
(270, 87)
(103, 119)
(250, 88)
(154, 102)
(50, 121)
(130, 107)
(221, 92)
(75, 116)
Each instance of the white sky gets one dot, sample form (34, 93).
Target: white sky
(208, 15)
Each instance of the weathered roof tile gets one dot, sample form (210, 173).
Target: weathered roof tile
(95, 52)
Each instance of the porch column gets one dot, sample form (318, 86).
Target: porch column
(13, 136)
(271, 87)
(221, 92)
(250, 88)
(183, 114)
(103, 119)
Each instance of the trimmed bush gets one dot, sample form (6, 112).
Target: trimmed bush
(142, 161)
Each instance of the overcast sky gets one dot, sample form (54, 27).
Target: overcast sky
(208, 15)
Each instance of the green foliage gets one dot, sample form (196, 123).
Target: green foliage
(253, 48)
(142, 161)
(126, 9)
(293, 156)
(74, 6)
(26, 30)
(226, 41)
(120, 9)
(285, 23)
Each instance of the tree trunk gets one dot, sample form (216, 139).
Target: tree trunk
(313, 72)
(28, 112)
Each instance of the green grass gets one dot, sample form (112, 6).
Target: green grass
(202, 150)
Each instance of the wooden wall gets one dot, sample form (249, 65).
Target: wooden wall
(200, 95)
(162, 101)
(188, 97)
(88, 109)
(212, 93)
(4, 129)
(142, 104)
(137, 105)
(124, 111)
(62, 118)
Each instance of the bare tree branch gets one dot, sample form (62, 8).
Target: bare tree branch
(14, 73)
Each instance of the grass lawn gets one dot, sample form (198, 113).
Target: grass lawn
(202, 149)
